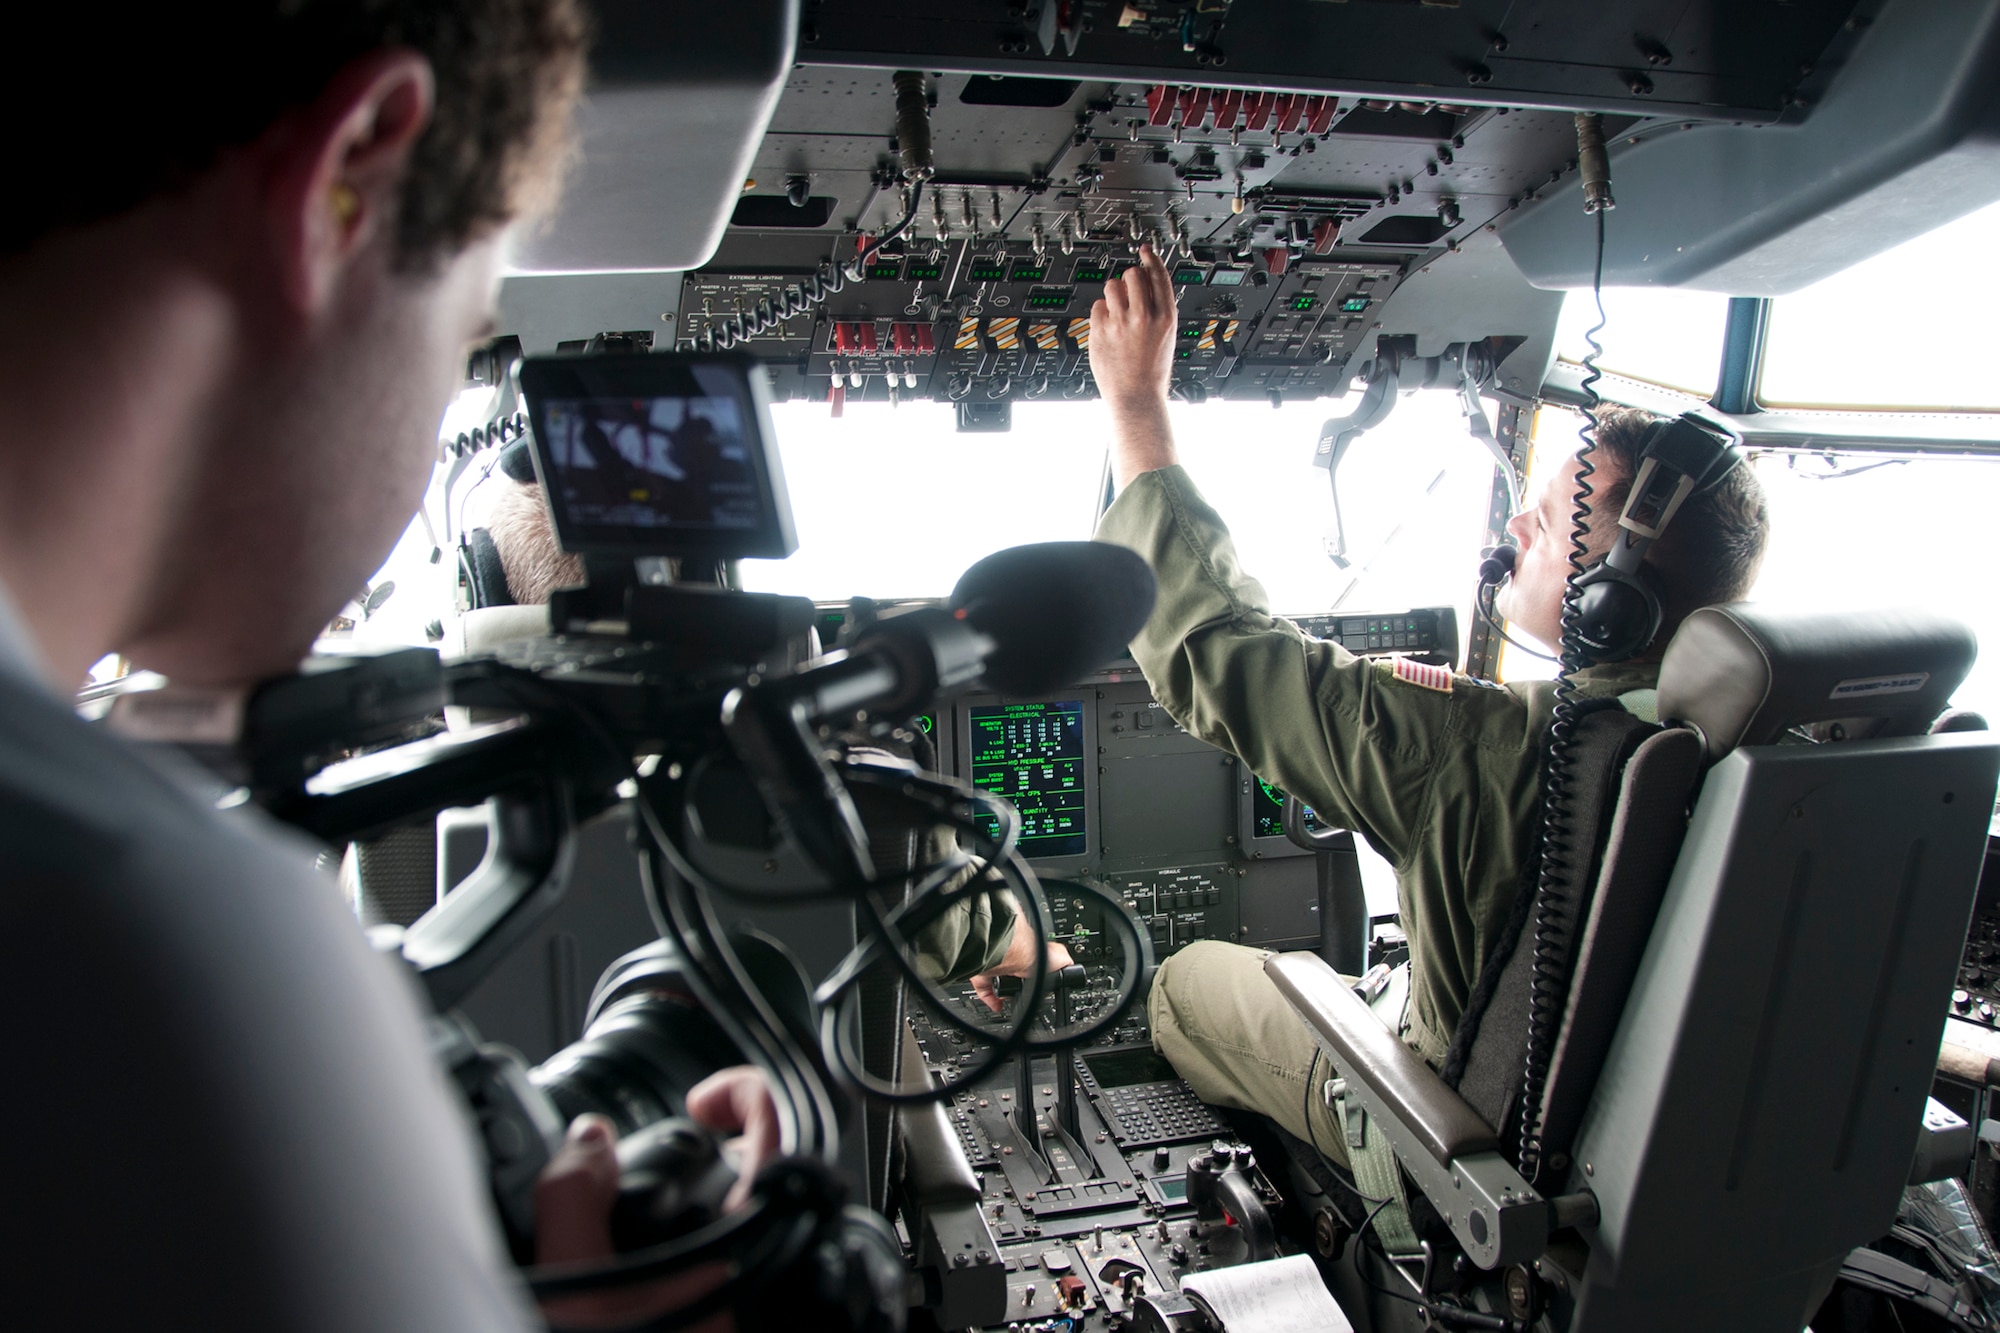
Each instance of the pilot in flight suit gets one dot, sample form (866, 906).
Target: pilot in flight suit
(1441, 773)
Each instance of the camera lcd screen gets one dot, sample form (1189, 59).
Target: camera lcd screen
(658, 454)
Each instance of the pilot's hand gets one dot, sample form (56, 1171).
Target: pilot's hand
(574, 1195)
(1132, 328)
(1132, 332)
(1018, 961)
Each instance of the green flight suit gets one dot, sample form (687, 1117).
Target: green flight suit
(1441, 776)
(972, 935)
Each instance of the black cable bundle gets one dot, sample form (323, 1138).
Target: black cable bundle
(1548, 986)
(808, 294)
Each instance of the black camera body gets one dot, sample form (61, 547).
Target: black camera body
(646, 1042)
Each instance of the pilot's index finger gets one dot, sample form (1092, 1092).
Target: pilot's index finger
(1117, 298)
(1159, 283)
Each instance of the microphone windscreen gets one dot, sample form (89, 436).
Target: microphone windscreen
(1056, 611)
(1497, 562)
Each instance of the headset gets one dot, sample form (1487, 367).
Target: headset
(482, 579)
(1617, 600)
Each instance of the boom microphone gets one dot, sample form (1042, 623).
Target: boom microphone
(1497, 562)
(1055, 611)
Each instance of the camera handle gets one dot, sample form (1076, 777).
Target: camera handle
(521, 775)
(519, 882)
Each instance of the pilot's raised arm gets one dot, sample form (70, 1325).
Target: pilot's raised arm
(1440, 772)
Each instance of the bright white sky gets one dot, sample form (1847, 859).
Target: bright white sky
(1890, 332)
(895, 502)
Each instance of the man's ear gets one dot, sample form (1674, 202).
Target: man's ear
(336, 172)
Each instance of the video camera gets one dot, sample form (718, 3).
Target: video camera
(663, 694)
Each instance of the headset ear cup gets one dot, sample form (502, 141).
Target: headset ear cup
(485, 578)
(1617, 614)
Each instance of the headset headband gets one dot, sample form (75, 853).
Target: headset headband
(1678, 459)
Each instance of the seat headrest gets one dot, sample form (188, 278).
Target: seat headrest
(1743, 674)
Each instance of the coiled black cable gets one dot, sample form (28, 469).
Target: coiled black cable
(807, 294)
(1548, 984)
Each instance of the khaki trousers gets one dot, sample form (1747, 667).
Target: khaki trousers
(1238, 1043)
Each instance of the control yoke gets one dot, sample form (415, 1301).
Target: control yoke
(1394, 370)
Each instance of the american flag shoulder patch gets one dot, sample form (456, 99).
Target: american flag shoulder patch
(1423, 673)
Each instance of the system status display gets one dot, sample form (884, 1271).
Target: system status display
(1032, 754)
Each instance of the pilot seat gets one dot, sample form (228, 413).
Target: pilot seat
(1736, 1003)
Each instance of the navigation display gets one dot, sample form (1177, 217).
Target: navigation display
(1033, 755)
(1267, 811)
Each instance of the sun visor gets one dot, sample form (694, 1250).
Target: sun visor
(1903, 138)
(680, 94)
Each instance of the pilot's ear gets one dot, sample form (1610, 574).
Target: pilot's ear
(337, 168)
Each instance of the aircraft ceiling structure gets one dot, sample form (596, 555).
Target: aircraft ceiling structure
(1322, 175)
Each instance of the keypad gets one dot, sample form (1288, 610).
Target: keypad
(1148, 1113)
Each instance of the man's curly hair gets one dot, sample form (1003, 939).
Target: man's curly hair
(161, 92)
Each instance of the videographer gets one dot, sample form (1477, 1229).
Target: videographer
(240, 270)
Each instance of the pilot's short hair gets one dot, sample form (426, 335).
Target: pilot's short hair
(162, 91)
(1714, 546)
(530, 556)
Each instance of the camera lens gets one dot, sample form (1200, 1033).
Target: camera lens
(645, 1043)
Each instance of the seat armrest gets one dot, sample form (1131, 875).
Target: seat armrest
(1451, 1154)
(1439, 1119)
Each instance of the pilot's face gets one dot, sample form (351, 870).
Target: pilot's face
(1532, 598)
(314, 473)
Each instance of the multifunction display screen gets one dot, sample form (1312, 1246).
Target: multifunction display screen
(1267, 812)
(1123, 1069)
(1033, 755)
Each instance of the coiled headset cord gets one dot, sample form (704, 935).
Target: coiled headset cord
(1547, 986)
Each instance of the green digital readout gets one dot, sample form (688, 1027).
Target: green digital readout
(1049, 298)
(1190, 277)
(1090, 273)
(1303, 303)
(885, 271)
(1354, 304)
(1225, 276)
(1267, 812)
(922, 270)
(1027, 272)
(1032, 754)
(986, 270)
